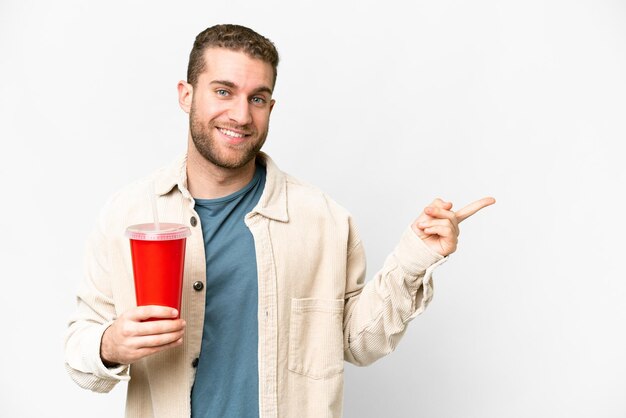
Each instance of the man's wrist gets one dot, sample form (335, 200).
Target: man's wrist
(108, 364)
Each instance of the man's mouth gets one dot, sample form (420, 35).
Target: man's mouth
(232, 134)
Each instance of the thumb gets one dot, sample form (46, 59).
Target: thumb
(142, 313)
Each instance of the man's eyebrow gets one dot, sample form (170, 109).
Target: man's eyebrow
(262, 89)
(224, 83)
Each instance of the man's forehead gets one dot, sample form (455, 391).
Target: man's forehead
(228, 64)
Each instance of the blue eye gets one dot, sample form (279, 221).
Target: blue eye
(222, 92)
(258, 100)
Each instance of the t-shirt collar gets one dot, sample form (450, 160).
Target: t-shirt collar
(273, 201)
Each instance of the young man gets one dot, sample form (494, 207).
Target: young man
(274, 298)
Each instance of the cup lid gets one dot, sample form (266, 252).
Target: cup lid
(166, 232)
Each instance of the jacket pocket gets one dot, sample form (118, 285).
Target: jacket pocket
(316, 337)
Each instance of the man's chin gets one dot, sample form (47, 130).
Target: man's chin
(231, 162)
(227, 156)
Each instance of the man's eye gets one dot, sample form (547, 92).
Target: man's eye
(258, 100)
(221, 92)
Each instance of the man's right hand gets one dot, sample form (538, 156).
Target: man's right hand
(129, 339)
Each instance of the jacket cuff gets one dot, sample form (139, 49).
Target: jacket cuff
(93, 360)
(413, 255)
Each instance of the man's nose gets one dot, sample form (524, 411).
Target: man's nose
(239, 112)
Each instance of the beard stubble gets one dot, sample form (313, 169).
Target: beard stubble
(202, 135)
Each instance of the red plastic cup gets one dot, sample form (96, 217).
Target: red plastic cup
(158, 263)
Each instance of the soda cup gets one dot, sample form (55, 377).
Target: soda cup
(158, 256)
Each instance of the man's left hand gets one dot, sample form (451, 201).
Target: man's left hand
(438, 225)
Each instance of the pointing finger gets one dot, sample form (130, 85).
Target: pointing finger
(472, 208)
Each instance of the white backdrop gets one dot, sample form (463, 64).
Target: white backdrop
(384, 105)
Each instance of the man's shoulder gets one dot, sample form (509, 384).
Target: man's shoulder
(301, 196)
(304, 187)
(310, 197)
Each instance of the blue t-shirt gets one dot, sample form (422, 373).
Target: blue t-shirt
(227, 379)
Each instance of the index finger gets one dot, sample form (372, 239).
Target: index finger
(472, 208)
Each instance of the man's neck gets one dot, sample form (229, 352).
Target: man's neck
(205, 180)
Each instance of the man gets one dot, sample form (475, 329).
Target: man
(274, 298)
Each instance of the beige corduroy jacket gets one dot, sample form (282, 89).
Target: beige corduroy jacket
(314, 310)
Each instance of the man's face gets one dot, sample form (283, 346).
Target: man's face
(230, 108)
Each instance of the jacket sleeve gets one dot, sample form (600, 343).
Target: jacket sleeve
(94, 313)
(376, 314)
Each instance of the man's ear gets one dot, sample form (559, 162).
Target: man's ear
(272, 103)
(185, 95)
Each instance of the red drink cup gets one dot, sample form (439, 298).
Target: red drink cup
(158, 263)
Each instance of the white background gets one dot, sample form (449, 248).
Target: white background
(384, 105)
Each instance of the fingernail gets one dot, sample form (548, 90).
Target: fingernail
(174, 312)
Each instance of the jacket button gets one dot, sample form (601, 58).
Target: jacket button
(195, 362)
(193, 221)
(198, 286)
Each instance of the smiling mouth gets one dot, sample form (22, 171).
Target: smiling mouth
(233, 134)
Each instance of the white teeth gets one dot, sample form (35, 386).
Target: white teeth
(231, 133)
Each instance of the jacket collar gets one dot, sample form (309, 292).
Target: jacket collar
(273, 201)
(171, 176)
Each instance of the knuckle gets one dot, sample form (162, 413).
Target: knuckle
(162, 340)
(127, 329)
(152, 342)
